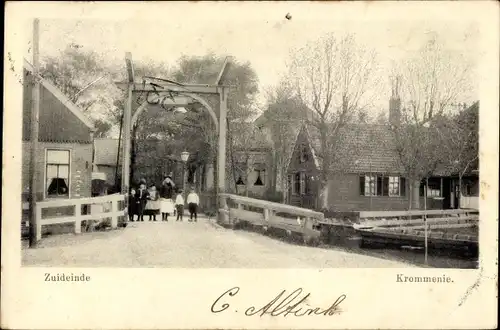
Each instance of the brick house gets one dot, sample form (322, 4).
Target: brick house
(258, 179)
(64, 162)
(367, 174)
(250, 163)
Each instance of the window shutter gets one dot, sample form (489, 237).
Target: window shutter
(385, 186)
(402, 186)
(379, 185)
(362, 185)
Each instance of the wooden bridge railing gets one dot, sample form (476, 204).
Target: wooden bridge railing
(100, 208)
(267, 214)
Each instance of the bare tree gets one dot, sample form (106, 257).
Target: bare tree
(459, 137)
(243, 160)
(281, 122)
(429, 83)
(332, 76)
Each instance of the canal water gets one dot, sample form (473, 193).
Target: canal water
(417, 257)
(412, 255)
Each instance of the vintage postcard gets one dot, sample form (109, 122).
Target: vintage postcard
(250, 165)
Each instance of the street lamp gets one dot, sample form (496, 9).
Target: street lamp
(184, 158)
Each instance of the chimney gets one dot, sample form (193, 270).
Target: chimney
(395, 103)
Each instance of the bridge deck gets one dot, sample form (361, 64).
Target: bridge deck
(187, 245)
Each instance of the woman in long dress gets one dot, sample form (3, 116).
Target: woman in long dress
(166, 193)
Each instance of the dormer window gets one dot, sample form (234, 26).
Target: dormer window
(303, 154)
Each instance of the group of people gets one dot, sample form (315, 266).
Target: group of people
(151, 202)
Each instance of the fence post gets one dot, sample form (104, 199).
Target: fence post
(266, 219)
(78, 218)
(38, 221)
(305, 227)
(114, 210)
(223, 214)
(235, 220)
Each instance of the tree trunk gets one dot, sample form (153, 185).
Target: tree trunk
(215, 202)
(231, 154)
(284, 183)
(459, 190)
(323, 195)
(415, 194)
(247, 176)
(325, 167)
(276, 182)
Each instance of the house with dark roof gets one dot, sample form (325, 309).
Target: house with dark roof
(366, 173)
(279, 126)
(64, 155)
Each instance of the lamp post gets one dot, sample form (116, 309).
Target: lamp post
(184, 158)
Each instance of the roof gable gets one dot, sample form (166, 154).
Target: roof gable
(60, 119)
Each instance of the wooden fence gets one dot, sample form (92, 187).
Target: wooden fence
(50, 212)
(418, 219)
(267, 214)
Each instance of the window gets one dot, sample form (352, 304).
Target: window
(303, 154)
(370, 185)
(302, 183)
(394, 186)
(308, 187)
(261, 178)
(379, 185)
(296, 183)
(240, 181)
(57, 173)
(470, 188)
(433, 188)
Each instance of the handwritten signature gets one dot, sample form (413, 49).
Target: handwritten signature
(291, 304)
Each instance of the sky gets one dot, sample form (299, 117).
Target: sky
(266, 41)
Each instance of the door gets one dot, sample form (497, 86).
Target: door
(447, 193)
(456, 190)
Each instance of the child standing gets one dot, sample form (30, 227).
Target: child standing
(152, 205)
(132, 206)
(179, 205)
(193, 200)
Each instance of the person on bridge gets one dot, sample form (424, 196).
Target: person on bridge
(166, 194)
(132, 204)
(142, 197)
(153, 203)
(179, 205)
(193, 200)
